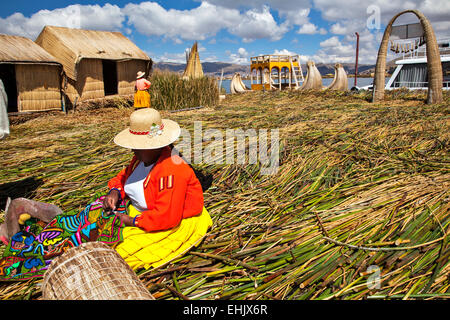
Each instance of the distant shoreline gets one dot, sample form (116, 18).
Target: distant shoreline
(323, 77)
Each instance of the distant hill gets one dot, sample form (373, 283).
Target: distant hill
(209, 68)
(328, 68)
(215, 68)
(176, 67)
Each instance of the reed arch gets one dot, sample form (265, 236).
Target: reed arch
(434, 66)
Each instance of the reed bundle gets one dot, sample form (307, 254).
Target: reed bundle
(359, 208)
(170, 92)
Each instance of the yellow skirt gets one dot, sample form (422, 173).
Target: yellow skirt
(142, 249)
(141, 99)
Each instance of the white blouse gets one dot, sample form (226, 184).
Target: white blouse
(134, 186)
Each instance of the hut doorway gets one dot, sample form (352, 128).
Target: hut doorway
(110, 81)
(8, 76)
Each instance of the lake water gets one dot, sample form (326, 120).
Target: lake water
(361, 82)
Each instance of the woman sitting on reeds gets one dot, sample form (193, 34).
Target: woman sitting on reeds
(162, 187)
(153, 212)
(142, 96)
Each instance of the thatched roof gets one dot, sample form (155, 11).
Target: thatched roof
(70, 46)
(15, 49)
(193, 66)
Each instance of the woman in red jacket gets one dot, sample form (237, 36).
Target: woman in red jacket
(161, 185)
(166, 214)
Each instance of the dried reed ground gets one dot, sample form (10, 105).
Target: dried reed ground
(352, 173)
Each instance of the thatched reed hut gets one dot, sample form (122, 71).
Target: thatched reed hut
(96, 63)
(31, 75)
(193, 68)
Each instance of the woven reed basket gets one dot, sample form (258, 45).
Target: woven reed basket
(92, 271)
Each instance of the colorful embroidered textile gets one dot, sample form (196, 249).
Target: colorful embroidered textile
(31, 250)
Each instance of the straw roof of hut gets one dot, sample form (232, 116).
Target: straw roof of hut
(70, 46)
(193, 67)
(15, 49)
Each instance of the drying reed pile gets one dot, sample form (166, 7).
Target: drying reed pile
(359, 208)
(170, 92)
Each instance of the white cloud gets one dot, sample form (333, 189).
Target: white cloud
(310, 28)
(181, 57)
(171, 57)
(258, 24)
(241, 57)
(150, 19)
(294, 10)
(109, 17)
(337, 28)
(351, 15)
(330, 42)
(437, 10)
(295, 17)
(200, 47)
(284, 52)
(210, 59)
(334, 50)
(242, 52)
(303, 58)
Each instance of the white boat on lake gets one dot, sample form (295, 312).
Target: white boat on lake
(411, 71)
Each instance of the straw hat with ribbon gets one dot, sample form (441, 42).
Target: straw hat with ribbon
(148, 131)
(140, 74)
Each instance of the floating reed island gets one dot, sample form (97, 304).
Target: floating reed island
(359, 208)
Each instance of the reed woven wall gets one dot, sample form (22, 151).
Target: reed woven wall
(90, 86)
(38, 87)
(126, 74)
(89, 83)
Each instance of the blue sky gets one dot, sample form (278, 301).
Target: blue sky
(230, 31)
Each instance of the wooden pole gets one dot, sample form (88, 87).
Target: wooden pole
(279, 77)
(270, 79)
(356, 61)
(220, 83)
(290, 77)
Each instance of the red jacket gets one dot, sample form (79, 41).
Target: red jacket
(171, 190)
(142, 84)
